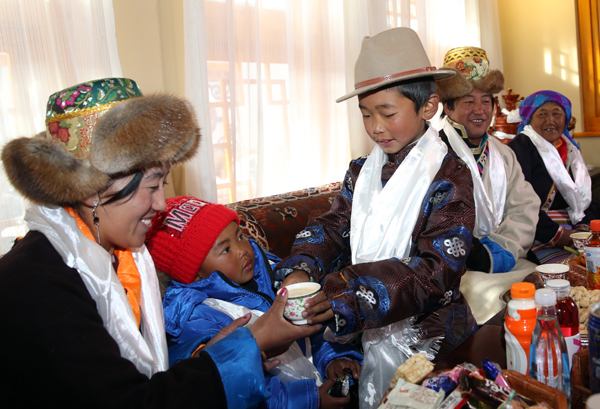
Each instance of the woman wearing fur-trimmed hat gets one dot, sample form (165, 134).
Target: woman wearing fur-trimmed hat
(80, 295)
(506, 205)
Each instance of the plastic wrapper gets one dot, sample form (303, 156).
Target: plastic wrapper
(385, 349)
(444, 380)
(493, 372)
(407, 395)
(488, 391)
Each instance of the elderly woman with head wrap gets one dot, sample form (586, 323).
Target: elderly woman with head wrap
(552, 163)
(80, 304)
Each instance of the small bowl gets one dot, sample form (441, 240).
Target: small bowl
(552, 272)
(579, 239)
(298, 293)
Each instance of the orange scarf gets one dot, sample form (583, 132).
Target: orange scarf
(127, 271)
(562, 149)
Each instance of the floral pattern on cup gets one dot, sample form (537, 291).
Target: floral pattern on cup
(295, 304)
(553, 271)
(580, 240)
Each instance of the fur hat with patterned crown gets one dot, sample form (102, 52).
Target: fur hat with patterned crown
(96, 131)
(473, 71)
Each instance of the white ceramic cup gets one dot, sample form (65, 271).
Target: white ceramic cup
(297, 295)
(579, 239)
(553, 271)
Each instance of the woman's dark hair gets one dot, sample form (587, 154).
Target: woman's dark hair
(418, 90)
(129, 190)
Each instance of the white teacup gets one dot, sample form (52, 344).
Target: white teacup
(579, 239)
(297, 295)
(553, 271)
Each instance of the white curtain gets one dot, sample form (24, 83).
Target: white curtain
(45, 46)
(264, 76)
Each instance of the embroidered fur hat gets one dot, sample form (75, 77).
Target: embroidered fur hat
(389, 57)
(473, 71)
(182, 235)
(95, 131)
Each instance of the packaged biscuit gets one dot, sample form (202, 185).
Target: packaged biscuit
(407, 395)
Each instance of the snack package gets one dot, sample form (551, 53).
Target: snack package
(413, 370)
(446, 381)
(455, 400)
(493, 372)
(406, 395)
(488, 391)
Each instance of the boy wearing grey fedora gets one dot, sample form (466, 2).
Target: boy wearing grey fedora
(391, 252)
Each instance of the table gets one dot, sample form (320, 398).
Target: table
(484, 343)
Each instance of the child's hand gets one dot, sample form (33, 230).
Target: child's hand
(318, 309)
(328, 401)
(335, 369)
(296, 276)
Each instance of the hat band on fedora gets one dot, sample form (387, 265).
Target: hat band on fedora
(392, 76)
(81, 112)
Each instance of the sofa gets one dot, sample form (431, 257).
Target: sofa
(274, 221)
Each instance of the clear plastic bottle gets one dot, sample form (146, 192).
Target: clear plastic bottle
(591, 251)
(568, 316)
(519, 325)
(548, 356)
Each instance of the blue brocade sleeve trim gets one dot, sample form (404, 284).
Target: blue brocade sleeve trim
(238, 360)
(502, 260)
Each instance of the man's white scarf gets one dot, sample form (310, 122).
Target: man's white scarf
(488, 211)
(383, 219)
(147, 349)
(577, 193)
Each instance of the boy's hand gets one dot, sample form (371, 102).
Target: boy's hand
(296, 276)
(336, 368)
(318, 309)
(273, 333)
(328, 401)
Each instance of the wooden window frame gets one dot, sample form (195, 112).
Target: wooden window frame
(588, 19)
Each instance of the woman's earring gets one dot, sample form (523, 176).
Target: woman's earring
(96, 219)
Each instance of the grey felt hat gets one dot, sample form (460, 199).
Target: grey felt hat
(392, 56)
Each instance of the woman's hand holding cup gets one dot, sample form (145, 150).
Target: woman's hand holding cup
(274, 333)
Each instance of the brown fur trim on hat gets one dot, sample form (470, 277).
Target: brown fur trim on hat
(144, 132)
(458, 86)
(45, 173)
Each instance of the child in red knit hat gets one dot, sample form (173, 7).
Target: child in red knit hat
(217, 276)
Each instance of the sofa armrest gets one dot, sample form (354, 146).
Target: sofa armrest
(274, 221)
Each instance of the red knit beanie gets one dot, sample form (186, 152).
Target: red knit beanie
(182, 235)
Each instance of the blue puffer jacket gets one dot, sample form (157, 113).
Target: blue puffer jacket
(189, 323)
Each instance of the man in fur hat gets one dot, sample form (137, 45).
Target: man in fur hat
(506, 205)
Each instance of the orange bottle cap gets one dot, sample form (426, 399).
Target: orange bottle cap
(595, 225)
(522, 290)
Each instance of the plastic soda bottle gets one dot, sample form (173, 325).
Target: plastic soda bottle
(548, 356)
(568, 316)
(591, 251)
(594, 347)
(519, 325)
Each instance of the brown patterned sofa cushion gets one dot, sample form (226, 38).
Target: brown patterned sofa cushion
(274, 221)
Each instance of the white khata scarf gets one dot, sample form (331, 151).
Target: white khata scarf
(488, 211)
(383, 218)
(578, 192)
(145, 348)
(294, 365)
